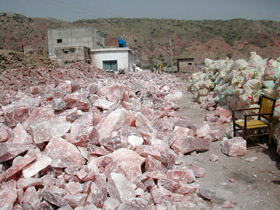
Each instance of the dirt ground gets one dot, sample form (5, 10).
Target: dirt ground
(248, 184)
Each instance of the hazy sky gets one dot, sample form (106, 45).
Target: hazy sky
(72, 10)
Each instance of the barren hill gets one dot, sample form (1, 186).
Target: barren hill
(150, 37)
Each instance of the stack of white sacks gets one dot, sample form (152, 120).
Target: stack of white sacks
(238, 84)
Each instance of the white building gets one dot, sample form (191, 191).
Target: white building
(114, 59)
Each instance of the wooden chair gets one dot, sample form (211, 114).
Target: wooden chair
(261, 125)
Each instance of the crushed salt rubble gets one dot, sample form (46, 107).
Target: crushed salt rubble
(79, 138)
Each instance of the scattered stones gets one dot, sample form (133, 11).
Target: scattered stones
(77, 137)
(214, 158)
(207, 194)
(234, 147)
(251, 159)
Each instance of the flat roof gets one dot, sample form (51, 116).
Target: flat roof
(113, 49)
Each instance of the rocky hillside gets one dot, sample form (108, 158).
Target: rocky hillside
(151, 37)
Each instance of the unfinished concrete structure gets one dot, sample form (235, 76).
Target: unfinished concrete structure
(114, 59)
(74, 37)
(184, 64)
(72, 54)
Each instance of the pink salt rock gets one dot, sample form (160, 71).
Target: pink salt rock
(146, 133)
(130, 119)
(185, 189)
(18, 207)
(18, 164)
(9, 151)
(223, 112)
(18, 111)
(64, 154)
(157, 175)
(207, 194)
(45, 205)
(77, 99)
(217, 134)
(85, 207)
(38, 115)
(54, 198)
(4, 99)
(104, 104)
(64, 86)
(91, 175)
(211, 118)
(114, 93)
(135, 141)
(24, 183)
(199, 172)
(167, 155)
(234, 147)
(127, 105)
(76, 200)
(95, 150)
(203, 131)
(112, 144)
(15, 115)
(160, 194)
(98, 194)
(35, 167)
(181, 131)
(8, 195)
(71, 114)
(148, 183)
(47, 130)
(31, 199)
(183, 175)
(21, 136)
(100, 180)
(59, 104)
(111, 204)
(145, 150)
(169, 184)
(152, 164)
(190, 144)
(120, 188)
(5, 133)
(135, 204)
(93, 88)
(111, 123)
(82, 131)
(214, 158)
(141, 120)
(129, 162)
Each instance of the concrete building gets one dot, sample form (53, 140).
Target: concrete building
(73, 37)
(114, 59)
(67, 45)
(184, 64)
(72, 54)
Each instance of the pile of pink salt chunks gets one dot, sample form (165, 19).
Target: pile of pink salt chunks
(79, 138)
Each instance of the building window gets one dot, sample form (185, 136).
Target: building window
(110, 65)
(59, 40)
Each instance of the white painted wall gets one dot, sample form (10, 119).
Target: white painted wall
(124, 57)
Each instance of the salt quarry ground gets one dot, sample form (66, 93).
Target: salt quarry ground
(76, 137)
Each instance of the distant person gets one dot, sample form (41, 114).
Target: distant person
(159, 68)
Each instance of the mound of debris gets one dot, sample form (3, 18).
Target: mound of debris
(12, 59)
(79, 138)
(237, 84)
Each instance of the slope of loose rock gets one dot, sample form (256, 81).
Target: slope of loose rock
(96, 140)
